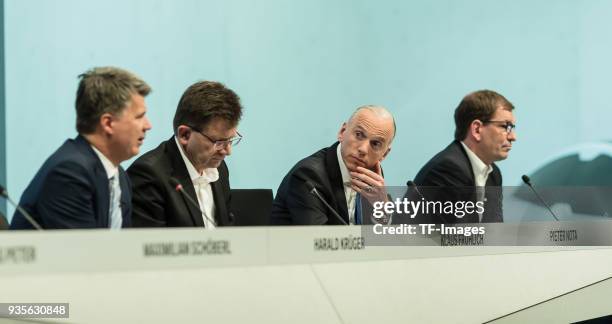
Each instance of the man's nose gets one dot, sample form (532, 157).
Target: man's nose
(512, 136)
(147, 125)
(363, 147)
(227, 149)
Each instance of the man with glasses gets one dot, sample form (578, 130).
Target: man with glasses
(341, 174)
(205, 132)
(484, 132)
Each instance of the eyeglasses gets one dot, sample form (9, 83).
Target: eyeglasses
(220, 144)
(508, 126)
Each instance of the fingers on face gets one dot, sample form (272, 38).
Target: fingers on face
(378, 169)
(366, 186)
(358, 185)
(368, 176)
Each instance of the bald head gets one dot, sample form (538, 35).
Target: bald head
(375, 114)
(366, 137)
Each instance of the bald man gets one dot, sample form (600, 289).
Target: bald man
(340, 172)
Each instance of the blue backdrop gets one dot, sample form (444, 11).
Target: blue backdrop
(302, 67)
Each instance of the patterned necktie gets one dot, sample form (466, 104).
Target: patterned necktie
(114, 210)
(358, 209)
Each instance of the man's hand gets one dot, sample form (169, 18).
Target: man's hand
(370, 184)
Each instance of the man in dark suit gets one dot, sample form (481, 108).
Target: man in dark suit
(82, 185)
(465, 169)
(339, 173)
(204, 133)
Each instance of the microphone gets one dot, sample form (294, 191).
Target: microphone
(179, 187)
(231, 218)
(413, 185)
(527, 181)
(25, 214)
(315, 192)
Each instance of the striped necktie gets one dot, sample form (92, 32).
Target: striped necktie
(114, 210)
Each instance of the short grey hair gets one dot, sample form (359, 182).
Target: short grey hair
(105, 90)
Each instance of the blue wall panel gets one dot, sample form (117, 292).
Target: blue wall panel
(301, 67)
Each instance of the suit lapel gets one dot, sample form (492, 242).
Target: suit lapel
(179, 171)
(103, 195)
(494, 195)
(466, 165)
(126, 198)
(333, 169)
(102, 189)
(220, 212)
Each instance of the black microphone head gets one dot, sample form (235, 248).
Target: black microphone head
(526, 180)
(3, 192)
(410, 183)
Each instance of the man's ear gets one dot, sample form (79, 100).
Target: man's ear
(183, 133)
(475, 130)
(106, 123)
(385, 155)
(342, 132)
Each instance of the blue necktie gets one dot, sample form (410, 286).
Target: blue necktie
(114, 211)
(358, 209)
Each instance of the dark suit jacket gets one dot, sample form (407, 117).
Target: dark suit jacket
(451, 171)
(158, 204)
(71, 190)
(294, 205)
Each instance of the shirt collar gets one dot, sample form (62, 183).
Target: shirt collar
(346, 177)
(478, 167)
(109, 167)
(209, 175)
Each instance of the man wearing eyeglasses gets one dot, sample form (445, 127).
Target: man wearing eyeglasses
(205, 132)
(341, 174)
(484, 133)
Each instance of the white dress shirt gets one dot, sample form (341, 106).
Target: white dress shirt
(349, 193)
(201, 183)
(481, 174)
